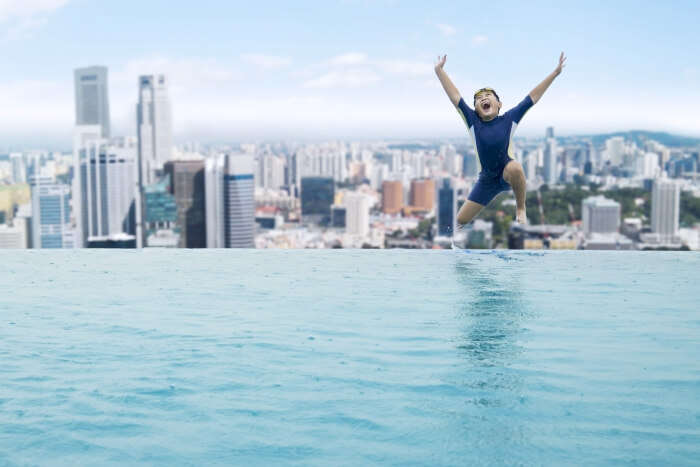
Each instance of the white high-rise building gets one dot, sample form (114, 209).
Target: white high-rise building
(270, 172)
(154, 126)
(615, 149)
(106, 179)
(550, 162)
(357, 214)
(91, 98)
(83, 136)
(19, 168)
(665, 210)
(648, 165)
(230, 201)
(214, 200)
(530, 166)
(600, 215)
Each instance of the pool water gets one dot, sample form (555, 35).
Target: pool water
(349, 357)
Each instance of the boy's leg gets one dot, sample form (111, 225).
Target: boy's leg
(468, 211)
(514, 175)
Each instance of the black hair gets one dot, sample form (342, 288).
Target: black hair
(491, 91)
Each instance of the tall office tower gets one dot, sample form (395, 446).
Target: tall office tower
(239, 201)
(600, 215)
(447, 208)
(83, 135)
(214, 200)
(392, 196)
(550, 162)
(549, 133)
(91, 98)
(154, 126)
(317, 195)
(423, 194)
(230, 201)
(187, 184)
(160, 215)
(665, 209)
(615, 149)
(51, 226)
(19, 168)
(106, 181)
(356, 214)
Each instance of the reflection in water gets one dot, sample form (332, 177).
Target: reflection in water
(493, 315)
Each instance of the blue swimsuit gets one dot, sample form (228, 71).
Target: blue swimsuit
(493, 143)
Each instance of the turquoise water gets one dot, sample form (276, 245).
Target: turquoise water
(339, 357)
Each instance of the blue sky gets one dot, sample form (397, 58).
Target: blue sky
(350, 68)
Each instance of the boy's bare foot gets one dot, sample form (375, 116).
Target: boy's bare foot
(520, 216)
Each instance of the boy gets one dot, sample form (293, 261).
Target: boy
(492, 137)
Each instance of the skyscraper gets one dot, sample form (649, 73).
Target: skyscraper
(214, 200)
(187, 184)
(106, 180)
(154, 126)
(423, 194)
(51, 226)
(550, 162)
(239, 202)
(600, 215)
(549, 132)
(91, 98)
(615, 149)
(230, 201)
(357, 214)
(447, 208)
(665, 210)
(19, 168)
(392, 196)
(317, 195)
(160, 215)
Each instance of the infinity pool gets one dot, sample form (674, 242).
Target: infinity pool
(339, 357)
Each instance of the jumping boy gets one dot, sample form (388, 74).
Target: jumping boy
(492, 135)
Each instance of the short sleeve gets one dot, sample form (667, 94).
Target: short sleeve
(468, 115)
(519, 111)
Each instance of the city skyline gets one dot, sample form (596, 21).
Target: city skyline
(339, 71)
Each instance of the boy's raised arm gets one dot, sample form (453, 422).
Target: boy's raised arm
(447, 84)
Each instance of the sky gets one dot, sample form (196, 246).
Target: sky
(349, 69)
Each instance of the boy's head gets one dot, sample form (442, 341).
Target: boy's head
(487, 104)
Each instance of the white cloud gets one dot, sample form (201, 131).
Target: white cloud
(20, 18)
(268, 62)
(352, 58)
(407, 68)
(10, 9)
(446, 29)
(479, 40)
(346, 79)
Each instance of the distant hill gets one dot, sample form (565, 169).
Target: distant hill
(639, 136)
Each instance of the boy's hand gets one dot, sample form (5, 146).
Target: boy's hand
(441, 62)
(562, 60)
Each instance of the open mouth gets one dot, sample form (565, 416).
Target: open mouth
(486, 106)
